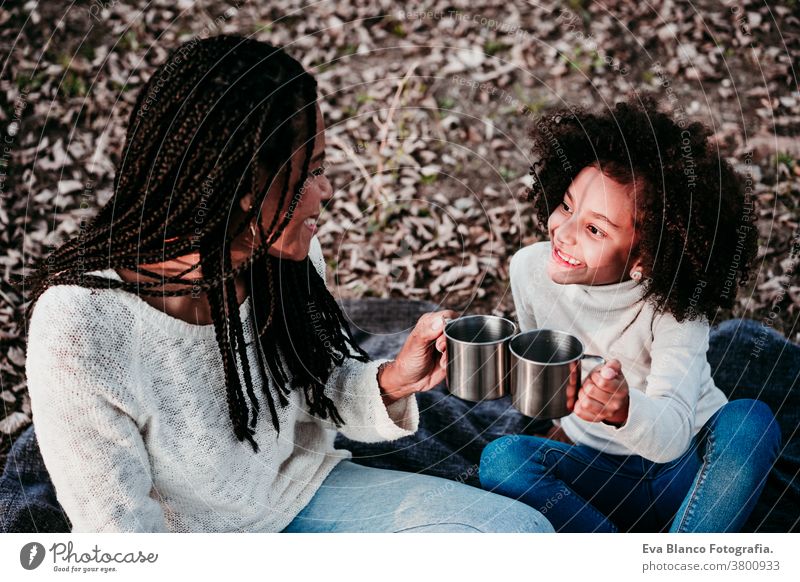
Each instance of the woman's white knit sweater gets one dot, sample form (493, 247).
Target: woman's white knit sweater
(672, 394)
(132, 420)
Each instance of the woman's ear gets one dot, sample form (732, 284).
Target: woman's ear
(246, 202)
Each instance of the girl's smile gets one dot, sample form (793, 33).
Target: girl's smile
(565, 260)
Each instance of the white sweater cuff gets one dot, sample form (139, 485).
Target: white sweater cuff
(405, 414)
(398, 419)
(366, 418)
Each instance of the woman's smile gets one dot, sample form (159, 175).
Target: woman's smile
(311, 223)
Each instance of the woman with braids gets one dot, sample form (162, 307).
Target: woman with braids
(196, 299)
(649, 234)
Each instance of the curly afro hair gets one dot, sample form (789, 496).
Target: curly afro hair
(695, 227)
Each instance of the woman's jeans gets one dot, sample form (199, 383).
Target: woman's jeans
(355, 498)
(712, 487)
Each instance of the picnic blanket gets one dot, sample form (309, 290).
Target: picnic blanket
(748, 360)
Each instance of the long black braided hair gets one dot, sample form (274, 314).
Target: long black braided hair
(213, 113)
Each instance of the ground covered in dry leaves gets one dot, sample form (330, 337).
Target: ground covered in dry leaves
(428, 108)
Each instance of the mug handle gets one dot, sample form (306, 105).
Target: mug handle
(580, 386)
(593, 357)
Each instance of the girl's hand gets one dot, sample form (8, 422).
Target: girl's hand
(604, 396)
(421, 363)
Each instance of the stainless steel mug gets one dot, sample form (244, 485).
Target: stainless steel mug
(544, 364)
(477, 356)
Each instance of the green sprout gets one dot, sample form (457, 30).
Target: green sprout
(398, 30)
(429, 179)
(492, 47)
(786, 159)
(73, 85)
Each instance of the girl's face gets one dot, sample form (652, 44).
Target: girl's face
(594, 229)
(295, 240)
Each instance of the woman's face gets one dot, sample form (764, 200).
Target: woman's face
(295, 240)
(594, 225)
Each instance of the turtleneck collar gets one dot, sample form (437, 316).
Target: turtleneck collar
(601, 298)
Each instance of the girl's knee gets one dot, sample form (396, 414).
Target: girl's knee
(501, 458)
(493, 464)
(747, 410)
(752, 419)
(768, 429)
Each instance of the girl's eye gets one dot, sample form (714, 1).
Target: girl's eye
(565, 207)
(595, 231)
(318, 171)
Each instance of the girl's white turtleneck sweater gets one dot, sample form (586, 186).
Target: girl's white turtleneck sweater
(672, 394)
(132, 420)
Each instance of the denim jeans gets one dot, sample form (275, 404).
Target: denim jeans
(712, 487)
(355, 498)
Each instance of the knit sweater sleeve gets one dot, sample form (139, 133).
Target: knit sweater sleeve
(522, 275)
(354, 389)
(80, 383)
(661, 417)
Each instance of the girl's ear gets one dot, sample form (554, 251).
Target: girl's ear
(637, 267)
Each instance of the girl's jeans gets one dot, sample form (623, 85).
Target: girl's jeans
(712, 487)
(355, 498)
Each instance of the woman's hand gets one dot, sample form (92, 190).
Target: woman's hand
(421, 363)
(604, 396)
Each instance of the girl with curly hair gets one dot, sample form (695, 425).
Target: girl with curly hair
(650, 234)
(195, 299)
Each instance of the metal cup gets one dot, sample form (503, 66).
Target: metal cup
(477, 356)
(544, 364)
